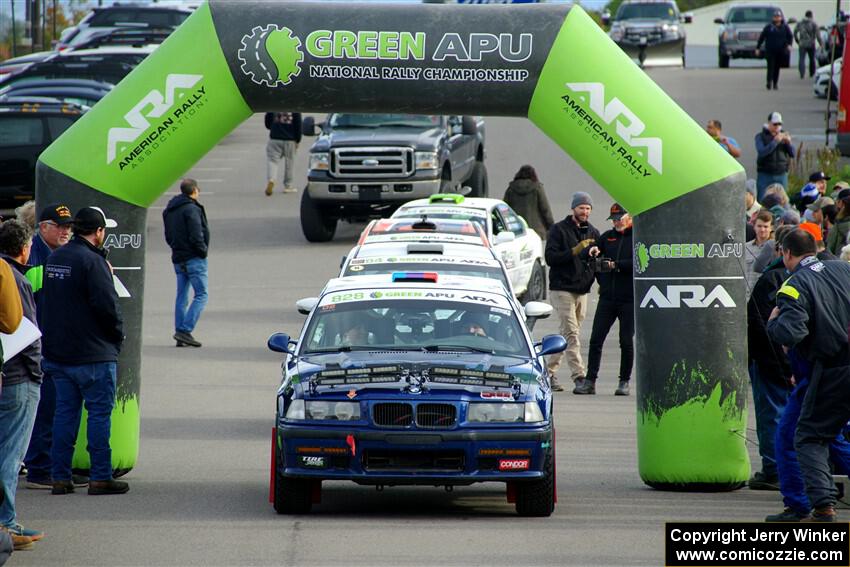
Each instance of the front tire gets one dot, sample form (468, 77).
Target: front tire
(315, 226)
(478, 180)
(536, 289)
(292, 495)
(537, 498)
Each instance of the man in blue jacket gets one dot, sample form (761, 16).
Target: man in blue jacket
(188, 235)
(83, 333)
(777, 39)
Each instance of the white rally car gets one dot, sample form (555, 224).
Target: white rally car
(519, 247)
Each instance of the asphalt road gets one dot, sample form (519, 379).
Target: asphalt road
(199, 493)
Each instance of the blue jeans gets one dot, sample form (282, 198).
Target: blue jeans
(94, 384)
(765, 179)
(17, 413)
(790, 476)
(768, 403)
(37, 458)
(194, 273)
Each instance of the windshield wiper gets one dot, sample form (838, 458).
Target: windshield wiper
(449, 348)
(407, 125)
(348, 348)
(344, 126)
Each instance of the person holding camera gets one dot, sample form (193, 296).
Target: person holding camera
(612, 261)
(570, 278)
(775, 150)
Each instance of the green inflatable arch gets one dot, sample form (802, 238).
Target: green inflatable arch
(552, 64)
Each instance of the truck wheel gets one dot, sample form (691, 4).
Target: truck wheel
(722, 60)
(536, 289)
(537, 498)
(478, 180)
(292, 495)
(315, 226)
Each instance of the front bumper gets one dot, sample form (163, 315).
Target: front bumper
(372, 191)
(739, 49)
(369, 456)
(657, 53)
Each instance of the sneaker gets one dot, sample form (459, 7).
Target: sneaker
(108, 487)
(622, 389)
(185, 339)
(45, 484)
(62, 487)
(585, 387)
(787, 515)
(34, 535)
(79, 480)
(23, 471)
(761, 481)
(19, 542)
(270, 188)
(290, 189)
(556, 386)
(823, 514)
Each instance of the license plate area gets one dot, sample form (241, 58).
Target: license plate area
(370, 192)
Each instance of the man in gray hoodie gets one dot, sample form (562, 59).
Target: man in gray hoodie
(807, 34)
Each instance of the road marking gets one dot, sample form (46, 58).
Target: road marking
(693, 278)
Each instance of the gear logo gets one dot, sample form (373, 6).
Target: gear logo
(271, 55)
(642, 257)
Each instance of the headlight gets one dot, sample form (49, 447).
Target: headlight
(616, 33)
(671, 30)
(323, 411)
(320, 161)
(528, 412)
(726, 36)
(427, 160)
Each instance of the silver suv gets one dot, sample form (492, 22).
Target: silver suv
(650, 31)
(740, 30)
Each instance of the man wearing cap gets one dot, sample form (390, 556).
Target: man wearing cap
(819, 178)
(817, 209)
(54, 230)
(613, 252)
(83, 333)
(775, 150)
(777, 39)
(570, 278)
(188, 235)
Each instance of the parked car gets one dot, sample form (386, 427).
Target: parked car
(27, 126)
(832, 34)
(107, 64)
(414, 379)
(821, 81)
(107, 18)
(650, 32)
(17, 64)
(364, 166)
(78, 91)
(740, 30)
(126, 37)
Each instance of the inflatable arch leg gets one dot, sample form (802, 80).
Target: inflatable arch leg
(550, 63)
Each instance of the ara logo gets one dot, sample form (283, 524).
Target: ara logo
(154, 105)
(629, 127)
(693, 296)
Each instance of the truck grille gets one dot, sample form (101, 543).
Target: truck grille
(372, 163)
(435, 415)
(392, 414)
(393, 460)
(749, 35)
(651, 35)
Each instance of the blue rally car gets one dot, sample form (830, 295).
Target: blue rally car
(414, 378)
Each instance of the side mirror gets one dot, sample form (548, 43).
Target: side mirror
(308, 126)
(279, 342)
(552, 344)
(606, 18)
(719, 21)
(469, 127)
(537, 310)
(306, 304)
(505, 236)
(688, 18)
(792, 21)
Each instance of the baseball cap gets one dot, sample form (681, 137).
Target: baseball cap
(93, 218)
(818, 176)
(820, 203)
(839, 185)
(56, 212)
(812, 229)
(617, 212)
(774, 118)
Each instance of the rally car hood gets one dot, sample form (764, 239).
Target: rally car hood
(421, 139)
(367, 375)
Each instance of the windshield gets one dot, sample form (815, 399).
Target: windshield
(392, 323)
(470, 215)
(646, 11)
(754, 15)
(138, 17)
(378, 120)
(421, 224)
(379, 266)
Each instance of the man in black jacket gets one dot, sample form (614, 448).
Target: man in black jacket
(613, 257)
(284, 136)
(188, 235)
(777, 39)
(570, 278)
(83, 333)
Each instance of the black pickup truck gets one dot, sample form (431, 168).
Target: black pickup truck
(367, 165)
